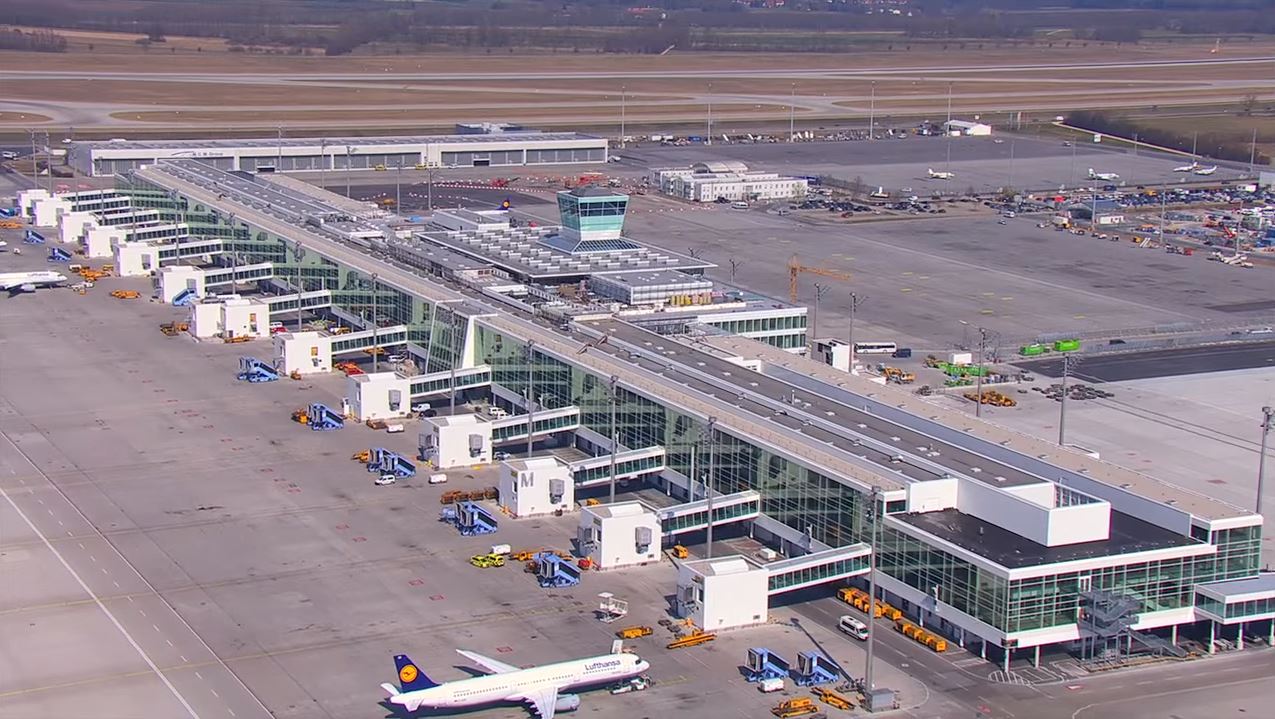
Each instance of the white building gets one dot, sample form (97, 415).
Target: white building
(709, 181)
(502, 149)
(967, 128)
(619, 534)
(657, 287)
(457, 441)
(536, 486)
(723, 593)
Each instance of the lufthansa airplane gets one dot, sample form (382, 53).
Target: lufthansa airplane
(538, 686)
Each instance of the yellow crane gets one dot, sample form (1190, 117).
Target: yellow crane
(795, 268)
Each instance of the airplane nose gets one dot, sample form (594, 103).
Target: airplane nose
(642, 665)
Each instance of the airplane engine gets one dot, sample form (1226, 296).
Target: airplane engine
(567, 702)
(26, 288)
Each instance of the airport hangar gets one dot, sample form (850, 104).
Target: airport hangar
(999, 541)
(488, 149)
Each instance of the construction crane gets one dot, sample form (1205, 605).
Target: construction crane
(795, 268)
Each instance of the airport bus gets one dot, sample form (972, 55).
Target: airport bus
(875, 348)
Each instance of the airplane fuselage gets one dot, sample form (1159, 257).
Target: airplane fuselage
(514, 686)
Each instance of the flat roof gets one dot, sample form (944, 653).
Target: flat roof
(657, 278)
(332, 143)
(1012, 551)
(526, 252)
(1262, 584)
(1143, 485)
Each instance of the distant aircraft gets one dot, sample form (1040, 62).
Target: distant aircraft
(1206, 170)
(1187, 168)
(1105, 176)
(940, 175)
(537, 686)
(14, 282)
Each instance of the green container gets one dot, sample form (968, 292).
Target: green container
(1066, 345)
(1032, 350)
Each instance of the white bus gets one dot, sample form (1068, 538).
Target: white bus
(875, 348)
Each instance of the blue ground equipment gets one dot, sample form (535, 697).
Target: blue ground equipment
(473, 520)
(813, 669)
(765, 664)
(449, 515)
(252, 369)
(323, 418)
(554, 571)
(383, 460)
(57, 254)
(31, 237)
(185, 298)
(9, 212)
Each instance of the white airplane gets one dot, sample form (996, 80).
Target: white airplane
(28, 281)
(1206, 170)
(940, 175)
(1105, 176)
(1188, 168)
(537, 686)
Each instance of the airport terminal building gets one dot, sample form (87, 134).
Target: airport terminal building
(469, 149)
(1001, 542)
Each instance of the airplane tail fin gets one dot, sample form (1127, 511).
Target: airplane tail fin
(410, 678)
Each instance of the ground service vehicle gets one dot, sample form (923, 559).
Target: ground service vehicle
(798, 706)
(854, 627)
(635, 632)
(680, 552)
(875, 348)
(437, 478)
(385, 479)
(636, 684)
(693, 639)
(126, 294)
(172, 329)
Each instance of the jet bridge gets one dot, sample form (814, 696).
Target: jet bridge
(436, 383)
(548, 422)
(693, 516)
(630, 464)
(383, 460)
(362, 340)
(822, 567)
(309, 301)
(242, 273)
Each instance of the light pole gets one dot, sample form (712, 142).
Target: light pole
(1267, 415)
(298, 254)
(623, 102)
(868, 684)
(349, 159)
(429, 171)
(708, 485)
(48, 160)
(398, 184)
(855, 299)
(820, 290)
(615, 437)
(708, 139)
(376, 344)
(872, 112)
(454, 335)
(734, 268)
(531, 393)
(234, 256)
(978, 376)
(792, 115)
(1062, 405)
(278, 163)
(323, 164)
(1009, 185)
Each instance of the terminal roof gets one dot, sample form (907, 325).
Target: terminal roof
(333, 144)
(1013, 551)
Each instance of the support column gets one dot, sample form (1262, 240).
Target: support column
(1007, 653)
(982, 648)
(960, 637)
(1239, 640)
(1036, 658)
(1212, 635)
(1173, 634)
(1271, 640)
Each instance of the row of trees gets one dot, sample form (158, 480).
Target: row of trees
(1219, 146)
(32, 41)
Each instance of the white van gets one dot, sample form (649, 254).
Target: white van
(439, 478)
(497, 412)
(739, 205)
(854, 627)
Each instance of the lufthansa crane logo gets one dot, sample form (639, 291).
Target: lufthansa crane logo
(407, 674)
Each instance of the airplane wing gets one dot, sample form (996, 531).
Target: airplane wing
(544, 700)
(491, 665)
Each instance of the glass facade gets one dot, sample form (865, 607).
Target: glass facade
(1236, 610)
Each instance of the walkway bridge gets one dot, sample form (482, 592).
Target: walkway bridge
(548, 423)
(436, 383)
(693, 516)
(629, 464)
(363, 340)
(818, 568)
